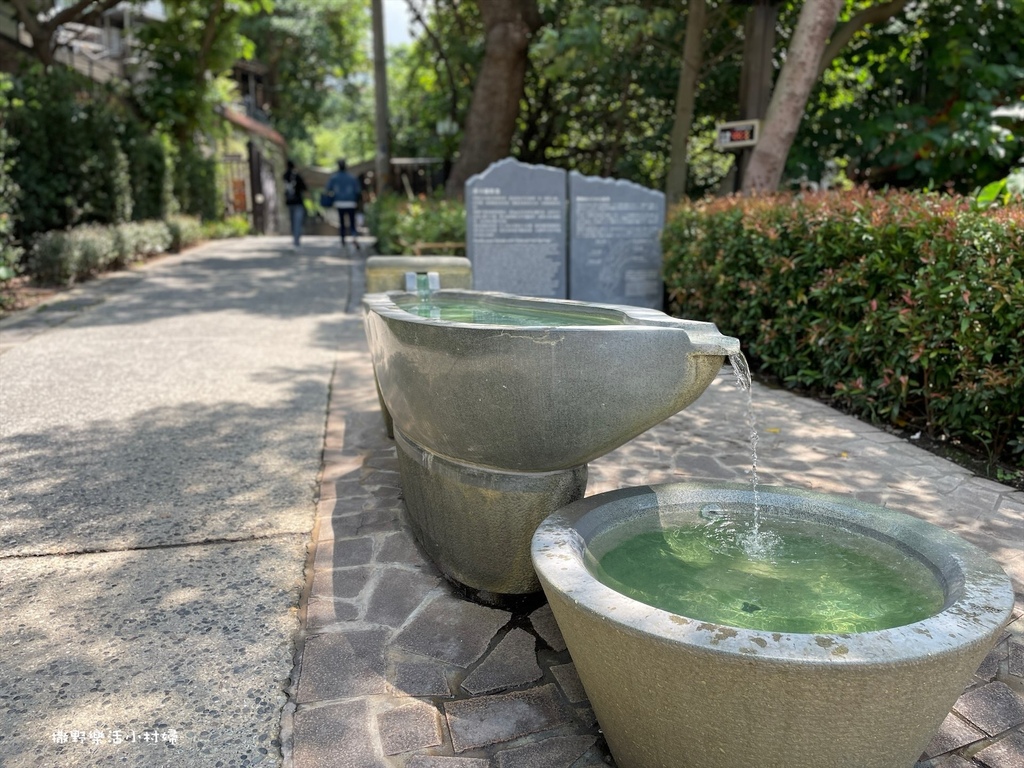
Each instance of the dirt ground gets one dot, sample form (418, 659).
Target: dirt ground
(21, 293)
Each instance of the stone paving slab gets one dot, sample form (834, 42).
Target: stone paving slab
(1005, 753)
(482, 721)
(994, 708)
(512, 663)
(451, 630)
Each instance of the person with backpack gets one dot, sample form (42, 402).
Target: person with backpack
(343, 190)
(294, 198)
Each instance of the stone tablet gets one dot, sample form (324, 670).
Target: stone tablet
(615, 242)
(516, 229)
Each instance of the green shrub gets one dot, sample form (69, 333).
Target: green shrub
(901, 307)
(232, 226)
(75, 169)
(149, 172)
(195, 183)
(64, 257)
(50, 259)
(10, 249)
(399, 224)
(139, 239)
(185, 232)
(382, 219)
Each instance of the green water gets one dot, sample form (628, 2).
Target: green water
(489, 313)
(800, 578)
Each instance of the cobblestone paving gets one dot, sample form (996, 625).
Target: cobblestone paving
(397, 670)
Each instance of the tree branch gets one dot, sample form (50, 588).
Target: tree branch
(875, 14)
(213, 20)
(439, 48)
(42, 32)
(81, 12)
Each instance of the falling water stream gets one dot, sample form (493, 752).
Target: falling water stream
(741, 371)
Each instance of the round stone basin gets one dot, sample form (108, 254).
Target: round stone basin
(671, 689)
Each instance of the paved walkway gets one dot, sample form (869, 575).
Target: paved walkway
(161, 478)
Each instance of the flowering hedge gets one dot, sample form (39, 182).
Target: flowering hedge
(901, 307)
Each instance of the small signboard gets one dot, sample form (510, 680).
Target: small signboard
(737, 134)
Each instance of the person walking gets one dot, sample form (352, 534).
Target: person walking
(295, 199)
(344, 188)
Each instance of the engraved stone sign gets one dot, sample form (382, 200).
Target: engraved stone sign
(614, 245)
(516, 229)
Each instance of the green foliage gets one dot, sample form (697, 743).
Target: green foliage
(89, 159)
(308, 46)
(915, 102)
(599, 93)
(185, 232)
(399, 224)
(232, 226)
(62, 257)
(901, 307)
(382, 220)
(187, 58)
(137, 240)
(1006, 191)
(601, 89)
(10, 249)
(149, 171)
(195, 183)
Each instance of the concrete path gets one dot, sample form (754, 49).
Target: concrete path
(162, 439)
(161, 433)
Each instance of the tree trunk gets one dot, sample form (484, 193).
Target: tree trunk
(491, 122)
(382, 115)
(799, 74)
(686, 97)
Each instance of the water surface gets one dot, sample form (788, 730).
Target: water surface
(487, 312)
(789, 577)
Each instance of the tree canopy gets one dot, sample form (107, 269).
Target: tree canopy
(908, 92)
(917, 93)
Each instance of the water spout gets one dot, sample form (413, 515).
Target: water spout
(422, 283)
(740, 370)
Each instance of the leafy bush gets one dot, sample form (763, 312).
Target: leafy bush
(900, 307)
(232, 226)
(137, 240)
(150, 172)
(399, 224)
(75, 169)
(10, 250)
(63, 257)
(195, 183)
(185, 231)
(382, 220)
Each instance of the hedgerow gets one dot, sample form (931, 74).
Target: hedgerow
(901, 307)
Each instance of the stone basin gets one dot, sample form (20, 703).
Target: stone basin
(672, 690)
(497, 412)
